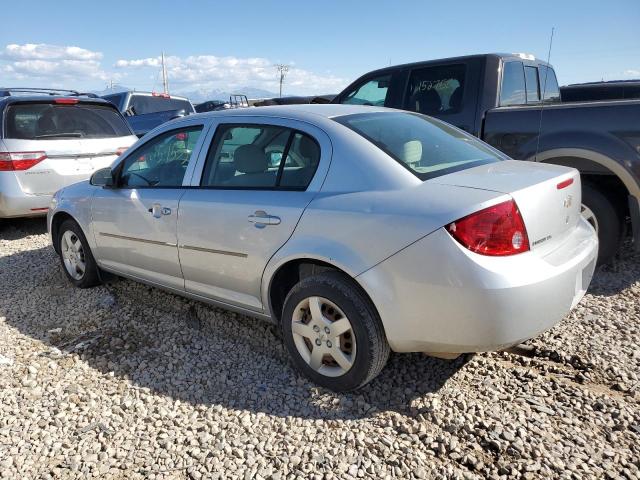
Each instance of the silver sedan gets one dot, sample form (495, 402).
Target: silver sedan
(358, 230)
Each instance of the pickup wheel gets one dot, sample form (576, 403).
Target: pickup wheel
(603, 216)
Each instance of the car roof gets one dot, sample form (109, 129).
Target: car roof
(146, 94)
(298, 111)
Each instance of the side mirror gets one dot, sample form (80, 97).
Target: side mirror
(102, 178)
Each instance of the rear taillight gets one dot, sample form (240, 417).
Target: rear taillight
(13, 161)
(495, 231)
(121, 150)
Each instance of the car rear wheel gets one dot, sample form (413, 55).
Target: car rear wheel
(76, 257)
(600, 212)
(333, 332)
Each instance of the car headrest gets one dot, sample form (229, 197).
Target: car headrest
(412, 152)
(250, 159)
(427, 101)
(456, 99)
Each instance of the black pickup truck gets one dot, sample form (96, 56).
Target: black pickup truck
(513, 102)
(144, 111)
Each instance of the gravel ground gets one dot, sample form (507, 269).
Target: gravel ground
(126, 381)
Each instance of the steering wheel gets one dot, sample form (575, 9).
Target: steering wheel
(149, 182)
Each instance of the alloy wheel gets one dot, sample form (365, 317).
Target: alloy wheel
(73, 255)
(589, 216)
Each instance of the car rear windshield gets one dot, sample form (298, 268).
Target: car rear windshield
(35, 121)
(142, 104)
(425, 146)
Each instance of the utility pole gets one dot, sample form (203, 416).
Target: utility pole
(165, 79)
(282, 72)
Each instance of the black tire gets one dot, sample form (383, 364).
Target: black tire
(372, 347)
(90, 277)
(609, 223)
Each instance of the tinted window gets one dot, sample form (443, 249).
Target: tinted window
(117, 99)
(252, 157)
(33, 121)
(513, 90)
(160, 162)
(427, 147)
(436, 90)
(533, 88)
(142, 104)
(371, 92)
(549, 84)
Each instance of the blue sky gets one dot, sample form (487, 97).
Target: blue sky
(229, 45)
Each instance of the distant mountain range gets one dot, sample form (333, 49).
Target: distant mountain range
(202, 95)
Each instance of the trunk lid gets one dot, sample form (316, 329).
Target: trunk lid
(548, 196)
(67, 161)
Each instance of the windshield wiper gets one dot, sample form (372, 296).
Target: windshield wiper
(54, 135)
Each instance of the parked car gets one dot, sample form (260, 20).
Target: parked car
(512, 101)
(50, 139)
(146, 110)
(272, 214)
(612, 90)
(211, 106)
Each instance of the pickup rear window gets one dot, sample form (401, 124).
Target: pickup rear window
(427, 147)
(143, 104)
(35, 121)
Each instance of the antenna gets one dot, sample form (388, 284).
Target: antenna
(282, 72)
(165, 79)
(544, 91)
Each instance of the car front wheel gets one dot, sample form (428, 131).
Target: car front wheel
(333, 332)
(76, 257)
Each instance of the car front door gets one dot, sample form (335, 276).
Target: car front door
(248, 194)
(135, 222)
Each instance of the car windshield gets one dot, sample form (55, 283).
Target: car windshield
(39, 121)
(143, 104)
(425, 146)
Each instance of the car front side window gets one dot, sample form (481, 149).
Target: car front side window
(161, 162)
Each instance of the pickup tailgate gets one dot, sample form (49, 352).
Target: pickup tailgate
(548, 196)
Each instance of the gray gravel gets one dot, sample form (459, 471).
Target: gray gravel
(126, 381)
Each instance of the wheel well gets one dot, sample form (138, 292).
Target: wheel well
(599, 177)
(291, 273)
(56, 221)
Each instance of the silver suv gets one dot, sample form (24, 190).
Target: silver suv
(50, 139)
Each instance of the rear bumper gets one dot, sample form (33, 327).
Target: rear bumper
(15, 203)
(436, 296)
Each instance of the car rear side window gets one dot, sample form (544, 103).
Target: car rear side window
(533, 87)
(436, 90)
(513, 91)
(35, 121)
(143, 104)
(260, 157)
(372, 92)
(549, 84)
(427, 147)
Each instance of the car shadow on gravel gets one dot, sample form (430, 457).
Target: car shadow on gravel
(620, 274)
(15, 229)
(160, 343)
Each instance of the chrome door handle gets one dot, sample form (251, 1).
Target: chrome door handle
(261, 218)
(158, 210)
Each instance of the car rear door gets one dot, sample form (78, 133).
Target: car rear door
(135, 222)
(248, 193)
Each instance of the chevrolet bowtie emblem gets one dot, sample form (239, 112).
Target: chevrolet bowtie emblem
(568, 201)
